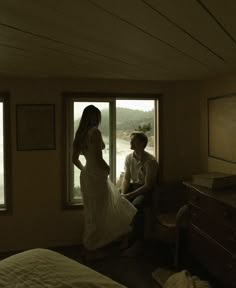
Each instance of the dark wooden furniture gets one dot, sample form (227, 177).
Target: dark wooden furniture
(212, 231)
(167, 201)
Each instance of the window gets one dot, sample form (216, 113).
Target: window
(4, 154)
(119, 118)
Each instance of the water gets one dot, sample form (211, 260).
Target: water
(123, 149)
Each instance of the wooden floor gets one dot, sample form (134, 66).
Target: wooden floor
(134, 272)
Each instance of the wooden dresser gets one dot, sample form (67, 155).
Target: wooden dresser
(212, 231)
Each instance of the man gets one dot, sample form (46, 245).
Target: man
(140, 178)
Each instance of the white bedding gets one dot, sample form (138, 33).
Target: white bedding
(45, 268)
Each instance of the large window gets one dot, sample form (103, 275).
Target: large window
(4, 154)
(119, 118)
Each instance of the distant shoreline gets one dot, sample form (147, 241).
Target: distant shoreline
(123, 135)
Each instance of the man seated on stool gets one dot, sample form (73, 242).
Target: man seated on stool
(140, 178)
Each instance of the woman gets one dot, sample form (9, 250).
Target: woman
(107, 214)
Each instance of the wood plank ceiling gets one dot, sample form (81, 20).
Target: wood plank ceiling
(118, 39)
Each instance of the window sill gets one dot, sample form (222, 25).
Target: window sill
(73, 206)
(5, 211)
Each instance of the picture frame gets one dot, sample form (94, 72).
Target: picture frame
(222, 127)
(35, 127)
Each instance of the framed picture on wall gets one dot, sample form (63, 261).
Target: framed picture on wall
(35, 127)
(222, 128)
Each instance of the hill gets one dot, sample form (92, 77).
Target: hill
(127, 120)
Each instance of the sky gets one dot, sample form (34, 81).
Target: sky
(143, 105)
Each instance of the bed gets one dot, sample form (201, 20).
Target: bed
(45, 268)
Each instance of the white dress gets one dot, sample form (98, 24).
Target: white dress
(107, 214)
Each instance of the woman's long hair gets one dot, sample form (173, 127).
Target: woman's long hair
(91, 117)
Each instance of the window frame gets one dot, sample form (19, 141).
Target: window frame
(6, 208)
(67, 112)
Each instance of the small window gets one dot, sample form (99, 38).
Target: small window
(5, 204)
(119, 118)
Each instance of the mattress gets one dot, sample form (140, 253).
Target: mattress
(45, 268)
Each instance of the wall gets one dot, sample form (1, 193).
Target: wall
(181, 132)
(38, 219)
(211, 88)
